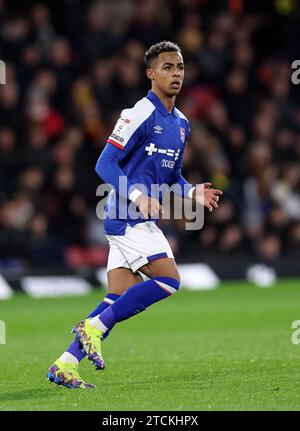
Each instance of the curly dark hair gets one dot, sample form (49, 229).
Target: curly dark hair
(153, 52)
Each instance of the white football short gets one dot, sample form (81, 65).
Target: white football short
(141, 244)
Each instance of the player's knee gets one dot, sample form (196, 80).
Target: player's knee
(177, 277)
(170, 284)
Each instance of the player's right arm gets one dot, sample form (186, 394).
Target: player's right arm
(109, 171)
(149, 207)
(129, 130)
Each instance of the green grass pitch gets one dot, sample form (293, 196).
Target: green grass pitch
(227, 349)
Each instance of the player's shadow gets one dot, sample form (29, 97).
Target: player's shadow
(26, 394)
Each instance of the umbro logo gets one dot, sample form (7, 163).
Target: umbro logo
(158, 129)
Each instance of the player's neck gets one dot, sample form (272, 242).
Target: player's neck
(168, 102)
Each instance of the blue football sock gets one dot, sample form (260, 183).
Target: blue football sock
(109, 299)
(75, 347)
(137, 298)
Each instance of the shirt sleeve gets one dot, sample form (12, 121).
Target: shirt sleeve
(109, 171)
(129, 130)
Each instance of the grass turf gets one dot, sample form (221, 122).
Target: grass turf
(227, 349)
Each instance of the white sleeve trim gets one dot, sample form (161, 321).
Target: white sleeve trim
(134, 195)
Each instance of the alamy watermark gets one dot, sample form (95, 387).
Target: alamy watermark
(2, 332)
(296, 333)
(117, 206)
(2, 72)
(296, 74)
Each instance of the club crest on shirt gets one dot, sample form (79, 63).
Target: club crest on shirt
(182, 134)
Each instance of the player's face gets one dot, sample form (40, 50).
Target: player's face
(167, 73)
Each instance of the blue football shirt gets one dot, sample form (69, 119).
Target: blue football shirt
(148, 144)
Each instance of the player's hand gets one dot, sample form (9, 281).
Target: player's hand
(206, 196)
(149, 207)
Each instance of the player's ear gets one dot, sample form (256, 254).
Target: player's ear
(150, 74)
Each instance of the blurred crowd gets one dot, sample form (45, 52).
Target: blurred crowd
(73, 65)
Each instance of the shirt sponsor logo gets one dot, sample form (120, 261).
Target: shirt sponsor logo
(151, 148)
(168, 163)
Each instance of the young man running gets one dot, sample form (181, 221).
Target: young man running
(145, 148)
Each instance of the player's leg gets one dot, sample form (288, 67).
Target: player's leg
(163, 281)
(165, 267)
(64, 370)
(146, 249)
(119, 280)
(137, 298)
